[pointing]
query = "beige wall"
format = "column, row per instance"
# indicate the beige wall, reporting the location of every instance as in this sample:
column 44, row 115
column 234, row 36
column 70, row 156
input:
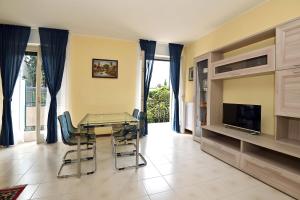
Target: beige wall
column 265, row 16
column 98, row 95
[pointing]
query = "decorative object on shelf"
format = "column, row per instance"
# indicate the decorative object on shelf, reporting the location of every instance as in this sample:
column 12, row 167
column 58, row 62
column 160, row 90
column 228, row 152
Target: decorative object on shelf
column 191, row 74
column 102, row 68
column 204, row 85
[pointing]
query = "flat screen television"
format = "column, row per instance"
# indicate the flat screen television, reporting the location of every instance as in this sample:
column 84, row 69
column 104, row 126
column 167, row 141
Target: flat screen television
column 242, row 116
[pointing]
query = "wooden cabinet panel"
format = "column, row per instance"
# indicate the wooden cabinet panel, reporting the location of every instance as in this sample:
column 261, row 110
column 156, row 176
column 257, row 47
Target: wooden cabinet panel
column 277, row 177
column 255, row 62
column 288, row 92
column 220, row 151
column 288, row 45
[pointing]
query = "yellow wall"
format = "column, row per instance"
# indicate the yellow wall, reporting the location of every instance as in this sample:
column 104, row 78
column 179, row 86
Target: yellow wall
column 98, row 95
column 263, row 17
column 254, row 90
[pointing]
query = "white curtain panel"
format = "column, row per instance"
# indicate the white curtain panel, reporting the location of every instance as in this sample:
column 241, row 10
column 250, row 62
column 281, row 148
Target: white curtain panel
column 139, row 83
column 181, row 97
column 64, row 92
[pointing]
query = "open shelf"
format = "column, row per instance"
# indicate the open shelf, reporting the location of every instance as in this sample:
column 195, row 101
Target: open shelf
column 248, row 41
column 288, row 130
column 260, row 140
column 221, row 146
column 275, row 158
column 272, row 167
column 222, row 139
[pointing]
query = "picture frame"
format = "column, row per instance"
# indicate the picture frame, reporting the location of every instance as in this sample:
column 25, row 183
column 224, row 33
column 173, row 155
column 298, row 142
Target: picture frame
column 104, row 68
column 191, row 74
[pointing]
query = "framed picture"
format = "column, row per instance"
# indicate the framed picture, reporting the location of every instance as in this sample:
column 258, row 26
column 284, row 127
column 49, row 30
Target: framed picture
column 102, row 68
column 191, row 74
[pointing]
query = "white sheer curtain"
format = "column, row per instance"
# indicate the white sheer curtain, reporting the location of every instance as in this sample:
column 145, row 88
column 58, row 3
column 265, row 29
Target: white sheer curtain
column 63, row 94
column 18, row 101
column 182, row 97
column 139, row 82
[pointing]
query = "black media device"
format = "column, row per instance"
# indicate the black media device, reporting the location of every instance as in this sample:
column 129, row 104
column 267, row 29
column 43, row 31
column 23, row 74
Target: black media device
column 243, row 116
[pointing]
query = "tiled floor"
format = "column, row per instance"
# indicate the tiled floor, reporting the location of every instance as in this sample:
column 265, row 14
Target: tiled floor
column 177, row 169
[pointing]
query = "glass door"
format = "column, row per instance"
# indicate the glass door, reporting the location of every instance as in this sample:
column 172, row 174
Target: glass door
column 201, row 96
column 28, row 89
column 42, row 101
column 30, row 96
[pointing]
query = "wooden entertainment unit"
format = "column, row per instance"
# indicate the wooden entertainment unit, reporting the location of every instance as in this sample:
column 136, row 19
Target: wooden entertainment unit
column 273, row 158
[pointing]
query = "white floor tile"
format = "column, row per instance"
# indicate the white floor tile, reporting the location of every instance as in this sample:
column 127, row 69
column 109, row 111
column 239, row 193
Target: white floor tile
column 177, row 169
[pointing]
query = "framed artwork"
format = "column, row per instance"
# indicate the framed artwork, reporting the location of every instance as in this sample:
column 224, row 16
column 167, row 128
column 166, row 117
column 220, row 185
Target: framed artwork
column 102, row 68
column 191, row 74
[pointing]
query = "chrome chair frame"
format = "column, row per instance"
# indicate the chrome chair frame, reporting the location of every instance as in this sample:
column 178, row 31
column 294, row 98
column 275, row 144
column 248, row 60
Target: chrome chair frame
column 73, row 131
column 69, row 139
column 124, row 137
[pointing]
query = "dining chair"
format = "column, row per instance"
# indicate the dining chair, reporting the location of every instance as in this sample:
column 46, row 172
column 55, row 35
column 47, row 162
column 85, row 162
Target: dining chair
column 70, row 139
column 135, row 112
column 70, row 125
column 126, row 137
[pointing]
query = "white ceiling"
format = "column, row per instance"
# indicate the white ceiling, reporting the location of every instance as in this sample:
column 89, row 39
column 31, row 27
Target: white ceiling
column 161, row 20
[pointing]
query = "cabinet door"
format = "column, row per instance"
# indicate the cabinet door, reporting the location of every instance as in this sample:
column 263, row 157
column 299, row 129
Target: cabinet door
column 288, row 45
column 288, row 92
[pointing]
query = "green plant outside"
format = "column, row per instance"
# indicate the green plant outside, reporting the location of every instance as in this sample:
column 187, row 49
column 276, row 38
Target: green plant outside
column 158, row 105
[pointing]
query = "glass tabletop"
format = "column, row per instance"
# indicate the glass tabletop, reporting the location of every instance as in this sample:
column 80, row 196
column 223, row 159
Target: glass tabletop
column 107, row 119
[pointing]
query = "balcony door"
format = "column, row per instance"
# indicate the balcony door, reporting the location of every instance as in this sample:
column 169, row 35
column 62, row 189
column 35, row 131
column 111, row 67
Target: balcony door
column 30, row 99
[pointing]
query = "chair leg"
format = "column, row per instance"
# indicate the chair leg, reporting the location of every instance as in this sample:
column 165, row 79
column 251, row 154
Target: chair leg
column 69, row 161
column 72, row 151
column 127, row 153
column 95, row 156
column 144, row 163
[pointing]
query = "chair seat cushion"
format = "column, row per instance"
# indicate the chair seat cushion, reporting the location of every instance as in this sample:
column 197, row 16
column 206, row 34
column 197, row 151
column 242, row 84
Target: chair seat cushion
column 127, row 132
column 131, row 136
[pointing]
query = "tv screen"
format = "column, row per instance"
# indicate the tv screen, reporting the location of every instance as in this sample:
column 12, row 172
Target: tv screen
column 242, row 116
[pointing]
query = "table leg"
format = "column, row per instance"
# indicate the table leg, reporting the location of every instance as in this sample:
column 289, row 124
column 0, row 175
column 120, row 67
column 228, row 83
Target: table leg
column 137, row 146
column 78, row 157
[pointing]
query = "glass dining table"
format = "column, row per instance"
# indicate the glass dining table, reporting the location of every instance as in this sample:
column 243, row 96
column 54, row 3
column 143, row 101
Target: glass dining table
column 91, row 121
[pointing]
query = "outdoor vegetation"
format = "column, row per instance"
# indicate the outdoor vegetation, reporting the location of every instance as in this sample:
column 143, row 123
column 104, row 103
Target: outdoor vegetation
column 158, row 104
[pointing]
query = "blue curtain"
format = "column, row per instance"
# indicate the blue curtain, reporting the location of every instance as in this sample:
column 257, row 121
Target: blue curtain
column 13, row 42
column 175, row 56
column 53, row 48
column 149, row 48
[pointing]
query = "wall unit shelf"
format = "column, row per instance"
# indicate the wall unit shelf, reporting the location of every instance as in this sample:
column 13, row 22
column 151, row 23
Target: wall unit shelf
column 275, row 158
column 288, row 92
column 288, row 130
column 279, row 170
column 261, row 156
column 200, row 100
column 224, row 140
column 259, row 61
column 288, row 45
column 262, row 140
